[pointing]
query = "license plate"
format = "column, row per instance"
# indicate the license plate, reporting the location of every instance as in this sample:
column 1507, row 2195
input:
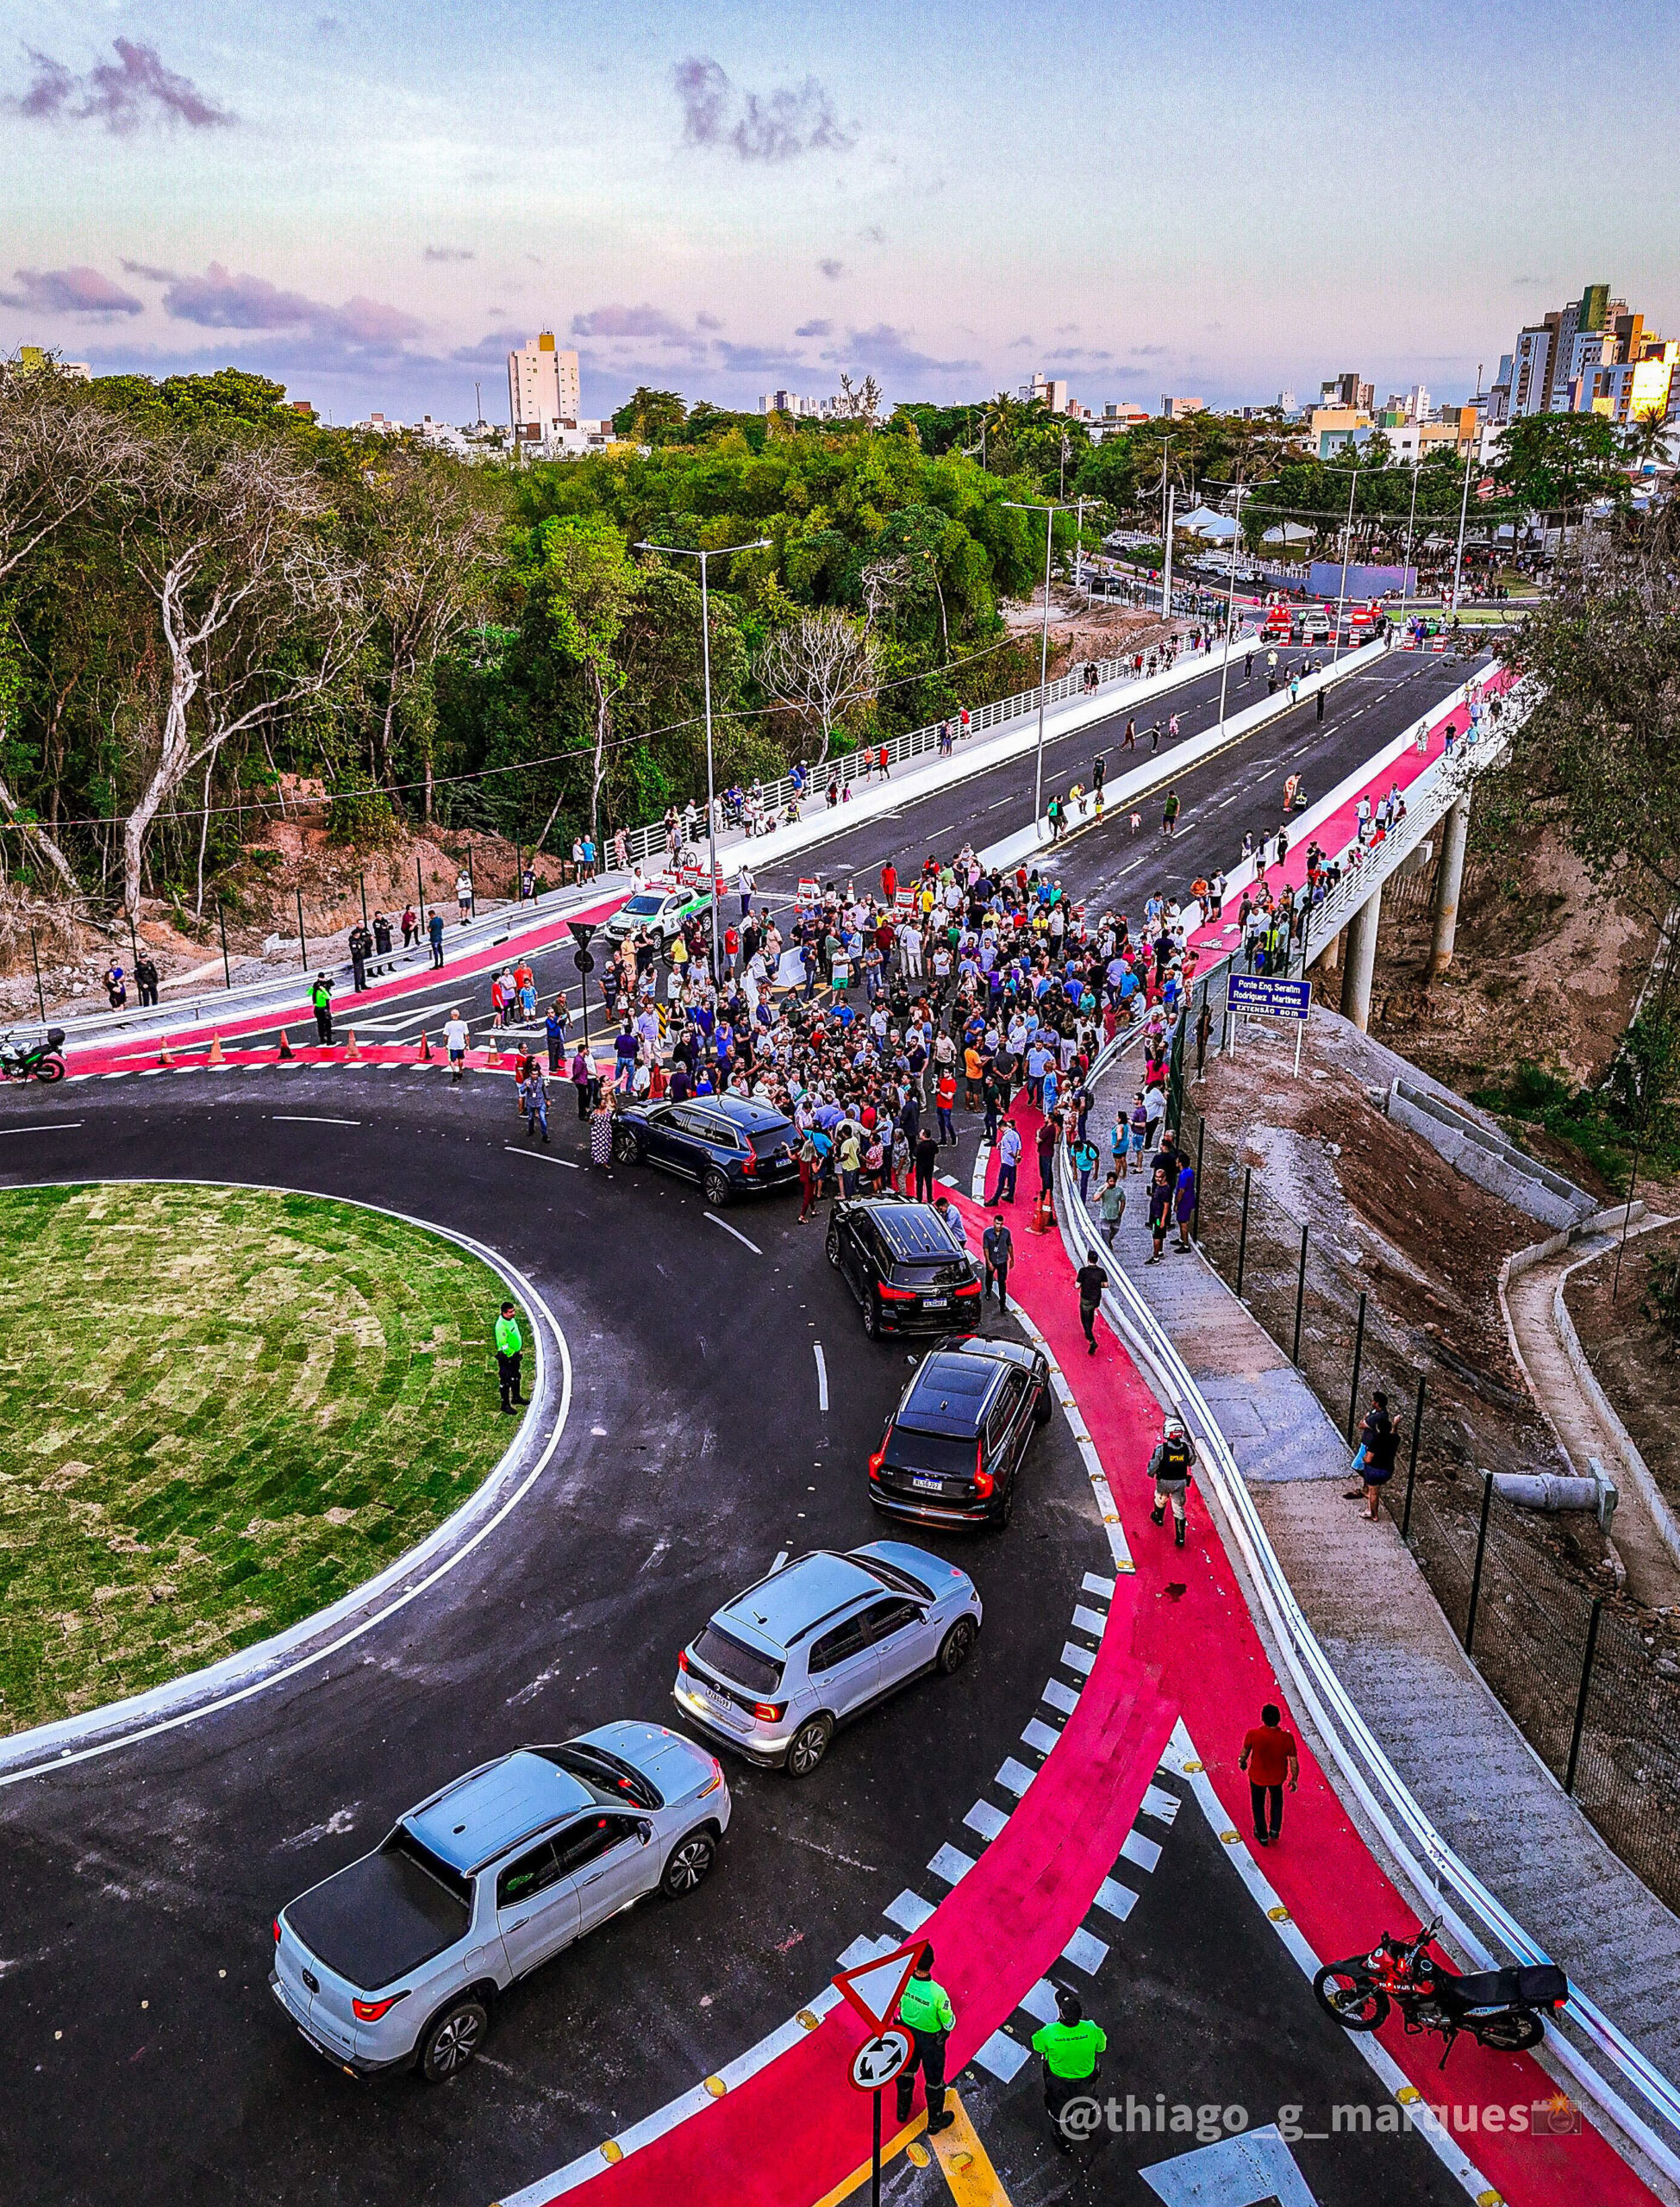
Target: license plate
column 931, row 1485
column 934, row 1301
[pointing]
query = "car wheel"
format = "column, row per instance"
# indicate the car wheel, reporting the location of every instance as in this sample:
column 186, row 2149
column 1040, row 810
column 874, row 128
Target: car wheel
column 1006, row 1505
column 1043, row 1408
column 872, row 1316
column 808, row 1746
column 451, row 2039
column 958, row 1646
column 625, row 1148
column 831, row 1247
column 689, row 1864
column 715, row 1187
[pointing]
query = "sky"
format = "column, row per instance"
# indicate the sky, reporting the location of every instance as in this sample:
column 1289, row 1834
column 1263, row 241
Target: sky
column 370, row 203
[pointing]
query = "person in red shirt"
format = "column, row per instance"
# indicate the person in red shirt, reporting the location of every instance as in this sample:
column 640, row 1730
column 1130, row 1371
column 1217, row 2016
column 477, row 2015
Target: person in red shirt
column 889, row 882
column 1269, row 1755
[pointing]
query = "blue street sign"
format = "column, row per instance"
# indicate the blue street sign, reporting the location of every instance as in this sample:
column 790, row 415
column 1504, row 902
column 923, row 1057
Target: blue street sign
column 1278, row 999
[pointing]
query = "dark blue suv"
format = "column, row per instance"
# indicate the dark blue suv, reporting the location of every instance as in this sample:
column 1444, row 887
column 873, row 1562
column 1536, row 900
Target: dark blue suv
column 730, row 1145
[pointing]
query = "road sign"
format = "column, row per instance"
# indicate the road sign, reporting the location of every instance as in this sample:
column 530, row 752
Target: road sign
column 581, row 932
column 874, row 1988
column 584, row 961
column 1279, row 999
column 878, row 2060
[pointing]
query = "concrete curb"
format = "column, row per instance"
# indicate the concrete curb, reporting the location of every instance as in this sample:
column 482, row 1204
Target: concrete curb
column 1662, row 1516
column 252, row 1670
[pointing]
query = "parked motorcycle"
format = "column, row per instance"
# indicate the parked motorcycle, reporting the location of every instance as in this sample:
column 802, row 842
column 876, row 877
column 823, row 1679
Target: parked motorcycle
column 37, row 1060
column 1503, row 2008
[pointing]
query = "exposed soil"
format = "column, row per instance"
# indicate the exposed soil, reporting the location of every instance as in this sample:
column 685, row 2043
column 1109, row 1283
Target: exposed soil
column 1630, row 1357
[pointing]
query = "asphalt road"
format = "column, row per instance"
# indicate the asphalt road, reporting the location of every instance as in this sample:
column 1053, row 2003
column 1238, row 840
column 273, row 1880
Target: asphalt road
column 146, row 2057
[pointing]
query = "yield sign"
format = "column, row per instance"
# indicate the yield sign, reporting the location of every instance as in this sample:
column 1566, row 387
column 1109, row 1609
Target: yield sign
column 874, row 1989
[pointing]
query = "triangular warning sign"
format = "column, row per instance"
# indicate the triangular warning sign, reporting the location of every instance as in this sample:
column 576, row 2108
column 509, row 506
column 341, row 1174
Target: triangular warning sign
column 874, row 1988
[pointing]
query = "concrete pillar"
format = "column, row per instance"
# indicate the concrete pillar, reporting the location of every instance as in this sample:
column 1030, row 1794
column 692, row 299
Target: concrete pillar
column 1361, row 961
column 1330, row 956
column 1449, row 885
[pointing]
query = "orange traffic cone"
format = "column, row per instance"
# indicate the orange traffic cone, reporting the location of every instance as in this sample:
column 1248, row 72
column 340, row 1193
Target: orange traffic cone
column 216, row 1057
column 164, row 1058
column 425, row 1049
column 285, row 1045
column 1044, row 1213
column 495, row 1057
column 352, row 1056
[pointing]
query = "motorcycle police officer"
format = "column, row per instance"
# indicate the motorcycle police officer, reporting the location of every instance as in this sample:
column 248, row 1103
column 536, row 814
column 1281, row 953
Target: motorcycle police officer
column 925, row 2012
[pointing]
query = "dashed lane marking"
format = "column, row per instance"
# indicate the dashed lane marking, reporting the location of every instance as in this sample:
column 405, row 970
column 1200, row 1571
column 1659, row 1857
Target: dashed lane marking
column 1088, row 1620
column 1116, row 1899
column 1142, row 1853
column 984, row 1819
column 1104, row 1588
column 1084, row 1951
column 713, row 1219
column 950, row 1864
column 1040, row 1735
column 1013, row 1777
column 1060, row 1695
column 515, row 1149
column 309, row 1119
column 50, row 1127
column 909, row 1911
column 1003, row 2056
column 1079, row 1659
column 822, row 1376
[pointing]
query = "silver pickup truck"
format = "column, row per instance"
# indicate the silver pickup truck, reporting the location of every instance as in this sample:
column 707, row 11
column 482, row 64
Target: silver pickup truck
column 396, row 1958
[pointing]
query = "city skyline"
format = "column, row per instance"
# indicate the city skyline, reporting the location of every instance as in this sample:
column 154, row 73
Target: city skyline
column 374, row 209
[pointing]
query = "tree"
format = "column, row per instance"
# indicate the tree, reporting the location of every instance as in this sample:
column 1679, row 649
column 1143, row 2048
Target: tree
column 590, row 586
column 650, row 417
column 820, row 667
column 1560, row 462
column 861, row 403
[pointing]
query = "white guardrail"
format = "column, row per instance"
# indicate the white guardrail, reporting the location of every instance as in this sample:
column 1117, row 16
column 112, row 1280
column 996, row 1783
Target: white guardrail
column 1478, row 1924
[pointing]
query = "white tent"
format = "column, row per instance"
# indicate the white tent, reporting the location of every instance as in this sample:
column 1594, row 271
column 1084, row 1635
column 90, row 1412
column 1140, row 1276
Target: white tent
column 1289, row 532
column 1204, row 521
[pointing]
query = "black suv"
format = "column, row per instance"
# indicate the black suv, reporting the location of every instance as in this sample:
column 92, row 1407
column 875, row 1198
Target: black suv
column 730, row 1145
column 903, row 1264
column 954, row 1448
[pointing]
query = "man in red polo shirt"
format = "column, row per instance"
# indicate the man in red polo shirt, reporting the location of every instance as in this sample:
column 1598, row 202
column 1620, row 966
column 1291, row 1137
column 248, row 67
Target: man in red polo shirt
column 1269, row 1755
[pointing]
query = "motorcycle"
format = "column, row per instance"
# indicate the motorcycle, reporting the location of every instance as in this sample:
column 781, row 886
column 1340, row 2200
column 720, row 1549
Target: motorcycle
column 1503, row 2008
column 32, row 1061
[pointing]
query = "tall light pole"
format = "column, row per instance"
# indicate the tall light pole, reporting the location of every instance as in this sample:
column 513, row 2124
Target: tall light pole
column 718, row 552
column 1079, row 505
column 1049, row 513
column 1230, row 606
column 1346, row 548
column 1411, row 519
column 1463, row 502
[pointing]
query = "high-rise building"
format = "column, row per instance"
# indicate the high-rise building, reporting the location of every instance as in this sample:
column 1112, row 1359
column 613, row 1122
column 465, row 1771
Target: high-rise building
column 1180, row 409
column 1590, row 355
column 1347, row 390
column 1051, row 390
column 544, row 388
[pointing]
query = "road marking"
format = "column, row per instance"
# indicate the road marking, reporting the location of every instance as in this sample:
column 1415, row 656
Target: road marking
column 909, row 1911
column 986, row 1820
column 1085, row 1952
column 977, row 1186
column 712, row 1216
column 542, row 1157
column 1040, row 2001
column 821, row 1374
column 1040, row 1735
column 1079, row 1659
column 309, row 1119
column 1116, row 1899
column 126, row 1074
column 51, row 1127
column 967, row 2167
column 1088, row 1620
column 1002, row 2055
column 865, row 1950
column 781, row 1558
column 1013, row 1777
column 1060, row 1695
column 951, row 1864
column 1160, row 1804
column 1103, row 1588
column 1142, row 1853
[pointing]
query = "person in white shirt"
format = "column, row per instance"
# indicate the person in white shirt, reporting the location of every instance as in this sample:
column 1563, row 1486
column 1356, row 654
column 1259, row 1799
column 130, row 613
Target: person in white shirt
column 455, row 1038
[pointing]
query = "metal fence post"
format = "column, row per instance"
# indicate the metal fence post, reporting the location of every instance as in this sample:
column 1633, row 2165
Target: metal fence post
column 227, row 965
column 1581, row 1698
column 303, row 940
column 1195, row 1209
column 1411, row 1468
column 1242, row 1236
column 1358, row 1359
column 1481, row 1550
column 1300, row 1298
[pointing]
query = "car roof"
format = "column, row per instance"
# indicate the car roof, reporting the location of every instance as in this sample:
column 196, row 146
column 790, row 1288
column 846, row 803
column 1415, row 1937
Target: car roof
column 781, row 1609
column 950, row 1393
column 912, row 1230
column 483, row 1814
column 743, row 1111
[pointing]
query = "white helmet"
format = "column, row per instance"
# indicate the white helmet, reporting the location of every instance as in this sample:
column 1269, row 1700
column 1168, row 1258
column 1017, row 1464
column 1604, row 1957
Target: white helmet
column 1174, row 1429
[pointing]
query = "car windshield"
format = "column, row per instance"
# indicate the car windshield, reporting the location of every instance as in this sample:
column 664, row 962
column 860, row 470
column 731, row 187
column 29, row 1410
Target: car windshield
column 924, row 1274
column 767, row 1142
column 908, row 1451
column 743, row 1666
column 642, row 907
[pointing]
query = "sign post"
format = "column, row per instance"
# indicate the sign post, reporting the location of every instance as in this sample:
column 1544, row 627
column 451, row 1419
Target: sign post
column 583, row 958
column 1273, row 998
column 875, row 1990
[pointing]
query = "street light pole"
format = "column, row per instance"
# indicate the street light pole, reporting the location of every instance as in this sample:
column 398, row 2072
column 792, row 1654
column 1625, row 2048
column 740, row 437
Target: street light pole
column 1230, row 608
column 1463, row 502
column 1346, row 549
column 1049, row 513
column 720, row 552
column 1411, row 520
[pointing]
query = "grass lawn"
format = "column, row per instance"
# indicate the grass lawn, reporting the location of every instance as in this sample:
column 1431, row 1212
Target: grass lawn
column 220, row 1409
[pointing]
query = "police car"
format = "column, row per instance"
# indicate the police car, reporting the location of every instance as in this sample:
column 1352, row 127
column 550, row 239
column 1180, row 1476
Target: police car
column 661, row 910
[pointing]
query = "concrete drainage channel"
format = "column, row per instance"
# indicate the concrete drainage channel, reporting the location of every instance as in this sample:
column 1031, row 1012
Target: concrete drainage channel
column 1639, row 2100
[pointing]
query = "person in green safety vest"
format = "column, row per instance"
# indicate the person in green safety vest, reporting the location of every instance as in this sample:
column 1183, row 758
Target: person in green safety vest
column 509, row 1347
column 1070, row 2048
column 925, row 2012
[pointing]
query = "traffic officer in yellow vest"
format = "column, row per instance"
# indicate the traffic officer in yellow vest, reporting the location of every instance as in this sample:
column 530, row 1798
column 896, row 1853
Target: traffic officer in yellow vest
column 925, row 2012
column 509, row 1347
column 1068, row 2048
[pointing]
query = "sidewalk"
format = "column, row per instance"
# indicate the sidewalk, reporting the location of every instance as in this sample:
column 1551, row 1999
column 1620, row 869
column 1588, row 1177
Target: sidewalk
column 1441, row 1726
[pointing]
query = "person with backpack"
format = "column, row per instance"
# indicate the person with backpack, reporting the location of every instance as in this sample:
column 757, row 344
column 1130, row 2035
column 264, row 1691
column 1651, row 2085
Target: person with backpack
column 1170, row 1467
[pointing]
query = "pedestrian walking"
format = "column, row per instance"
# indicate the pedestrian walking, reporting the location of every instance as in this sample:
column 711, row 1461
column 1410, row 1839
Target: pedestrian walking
column 1069, row 2049
column 927, row 1155
column 1091, row 1280
column 321, row 1001
column 455, row 1039
column 534, row 1100
column 1170, row 1467
column 1184, row 1203
column 601, row 1134
column 509, row 1347
column 925, row 2012
column 435, row 935
column 1111, row 1206
column 1160, row 1209
column 1008, row 1162
column 1084, row 1163
column 1269, row 1756
column 997, row 1248
column 1373, row 1462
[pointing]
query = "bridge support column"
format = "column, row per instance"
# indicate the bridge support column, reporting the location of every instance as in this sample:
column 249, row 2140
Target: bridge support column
column 1449, row 885
column 1361, row 961
column 1330, row 956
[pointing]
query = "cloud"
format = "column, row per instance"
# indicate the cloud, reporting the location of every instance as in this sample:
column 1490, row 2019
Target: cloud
column 1148, row 352
column 831, row 269
column 327, row 26
column 70, row 290
column 629, row 321
column 1070, row 355
column 1020, row 344
column 1529, row 282
column 449, row 253
column 888, row 351
column 218, row 300
column 776, row 126
column 814, row 329
column 873, row 235
column 151, row 275
column 123, row 94
column 760, row 360
column 707, row 321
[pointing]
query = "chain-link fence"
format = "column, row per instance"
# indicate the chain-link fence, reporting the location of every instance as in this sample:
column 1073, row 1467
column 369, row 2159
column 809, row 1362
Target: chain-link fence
column 1596, row 1694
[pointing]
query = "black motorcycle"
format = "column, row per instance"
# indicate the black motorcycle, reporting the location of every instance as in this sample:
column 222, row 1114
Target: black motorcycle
column 32, row 1061
column 1503, row 2008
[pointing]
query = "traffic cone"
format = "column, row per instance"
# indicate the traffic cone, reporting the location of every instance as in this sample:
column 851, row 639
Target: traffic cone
column 164, row 1058
column 495, row 1057
column 1044, row 1215
column 352, row 1056
column 425, row 1049
column 285, row 1046
column 216, row 1057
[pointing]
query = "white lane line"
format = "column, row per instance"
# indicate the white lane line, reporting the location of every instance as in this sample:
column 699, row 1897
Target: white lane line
column 1060, row 1695
column 1003, row 2056
column 309, row 1119
column 126, row 1074
column 986, row 1820
column 781, row 1558
column 1086, row 1620
column 1015, row 1777
column 1079, row 1659
column 1116, row 1899
column 1040, row 1736
column 1160, row 1804
column 1040, row 2001
column 821, row 1374
column 515, row 1149
column 1102, row 1588
column 1086, row 1952
column 951, row 1864
column 50, row 1127
column 713, row 1219
column 1142, row 1853
column 909, row 1911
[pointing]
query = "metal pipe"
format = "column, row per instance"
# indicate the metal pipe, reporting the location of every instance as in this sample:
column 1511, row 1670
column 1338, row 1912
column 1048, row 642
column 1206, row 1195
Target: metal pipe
column 1411, row 1468
column 1195, row 1209
column 1300, row 1298
column 41, row 993
column 1242, row 1234
column 1580, row 1698
column 222, row 921
column 303, row 940
column 1481, row 1550
column 1358, row 1359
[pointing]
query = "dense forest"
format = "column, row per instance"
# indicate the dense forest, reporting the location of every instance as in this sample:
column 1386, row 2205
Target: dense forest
column 204, row 591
